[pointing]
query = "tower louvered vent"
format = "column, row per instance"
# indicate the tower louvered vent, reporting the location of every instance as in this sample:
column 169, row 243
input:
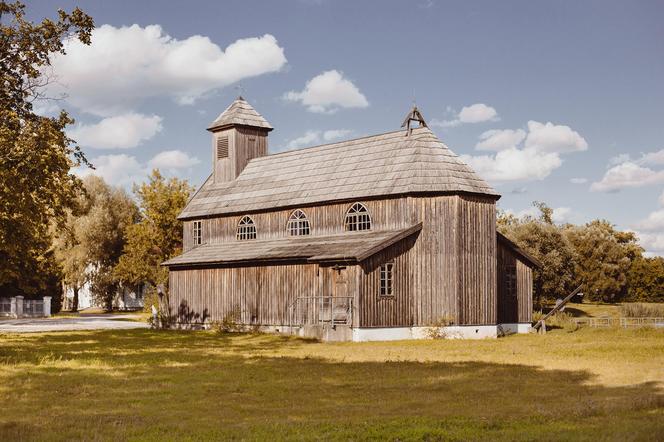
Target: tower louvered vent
column 222, row 147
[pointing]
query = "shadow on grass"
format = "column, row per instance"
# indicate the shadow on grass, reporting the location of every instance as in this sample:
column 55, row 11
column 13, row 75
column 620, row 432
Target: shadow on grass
column 183, row 385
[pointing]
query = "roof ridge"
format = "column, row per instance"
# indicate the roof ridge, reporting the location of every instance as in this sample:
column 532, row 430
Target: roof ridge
column 292, row 151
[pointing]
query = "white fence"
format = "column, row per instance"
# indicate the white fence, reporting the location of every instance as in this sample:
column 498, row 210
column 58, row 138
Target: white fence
column 620, row 322
column 18, row 307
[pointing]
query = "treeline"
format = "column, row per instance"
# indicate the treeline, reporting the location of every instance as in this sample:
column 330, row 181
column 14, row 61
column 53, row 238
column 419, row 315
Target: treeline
column 608, row 263
column 112, row 242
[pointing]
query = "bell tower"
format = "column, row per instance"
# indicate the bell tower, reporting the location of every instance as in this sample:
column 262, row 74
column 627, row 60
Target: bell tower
column 238, row 135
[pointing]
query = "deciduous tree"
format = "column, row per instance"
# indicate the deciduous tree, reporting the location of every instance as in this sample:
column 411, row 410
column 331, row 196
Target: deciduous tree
column 36, row 155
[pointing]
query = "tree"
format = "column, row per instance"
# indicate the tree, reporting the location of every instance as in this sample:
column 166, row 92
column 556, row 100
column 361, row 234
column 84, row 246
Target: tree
column 158, row 235
column 36, row 155
column 602, row 258
column 645, row 280
column 91, row 242
column 542, row 239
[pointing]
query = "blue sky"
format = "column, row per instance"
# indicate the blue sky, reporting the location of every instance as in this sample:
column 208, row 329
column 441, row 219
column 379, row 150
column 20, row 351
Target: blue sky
column 564, row 99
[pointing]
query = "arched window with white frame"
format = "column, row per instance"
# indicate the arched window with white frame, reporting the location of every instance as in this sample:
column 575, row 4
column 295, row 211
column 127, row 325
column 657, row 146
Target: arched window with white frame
column 357, row 218
column 246, row 229
column 298, row 224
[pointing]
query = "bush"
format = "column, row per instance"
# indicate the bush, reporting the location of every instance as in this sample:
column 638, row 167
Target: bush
column 231, row 322
column 641, row 310
column 437, row 329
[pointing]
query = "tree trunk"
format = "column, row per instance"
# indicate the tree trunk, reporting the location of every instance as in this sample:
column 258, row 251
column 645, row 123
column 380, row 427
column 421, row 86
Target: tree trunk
column 74, row 304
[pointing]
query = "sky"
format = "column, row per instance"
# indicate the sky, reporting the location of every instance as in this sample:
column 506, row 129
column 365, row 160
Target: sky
column 561, row 102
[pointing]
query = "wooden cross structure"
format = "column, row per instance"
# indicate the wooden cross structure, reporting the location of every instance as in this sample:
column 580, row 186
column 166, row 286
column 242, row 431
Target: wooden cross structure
column 413, row 115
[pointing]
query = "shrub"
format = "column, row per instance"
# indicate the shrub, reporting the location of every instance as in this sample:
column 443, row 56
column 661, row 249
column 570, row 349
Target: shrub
column 231, row 322
column 437, row 329
column 641, row 310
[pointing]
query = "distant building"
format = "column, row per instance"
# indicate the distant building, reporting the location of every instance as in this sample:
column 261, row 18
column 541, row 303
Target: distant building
column 374, row 238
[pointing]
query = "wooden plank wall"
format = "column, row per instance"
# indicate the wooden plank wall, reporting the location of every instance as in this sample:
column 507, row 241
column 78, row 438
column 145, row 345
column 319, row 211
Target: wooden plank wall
column 240, row 150
column 476, row 236
column 449, row 271
column 524, row 278
column 508, row 305
column 392, row 311
column 387, row 214
column 262, row 293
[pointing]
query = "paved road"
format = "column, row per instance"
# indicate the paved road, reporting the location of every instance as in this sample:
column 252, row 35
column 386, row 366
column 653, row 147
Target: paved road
column 87, row 322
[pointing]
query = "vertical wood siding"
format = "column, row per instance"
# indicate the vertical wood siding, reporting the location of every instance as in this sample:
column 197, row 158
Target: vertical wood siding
column 448, row 270
column 476, row 244
column 514, row 309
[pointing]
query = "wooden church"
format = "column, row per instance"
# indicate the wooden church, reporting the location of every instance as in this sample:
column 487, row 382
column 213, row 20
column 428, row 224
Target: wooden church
column 375, row 238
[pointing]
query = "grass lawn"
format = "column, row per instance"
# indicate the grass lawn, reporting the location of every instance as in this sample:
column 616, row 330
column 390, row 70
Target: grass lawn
column 148, row 385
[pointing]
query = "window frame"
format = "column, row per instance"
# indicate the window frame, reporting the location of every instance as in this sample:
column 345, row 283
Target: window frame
column 386, row 280
column 298, row 226
column 197, row 227
column 355, row 218
column 246, row 231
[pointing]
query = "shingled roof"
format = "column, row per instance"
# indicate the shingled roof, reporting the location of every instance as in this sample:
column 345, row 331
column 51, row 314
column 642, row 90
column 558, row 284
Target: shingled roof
column 240, row 113
column 374, row 166
column 347, row 247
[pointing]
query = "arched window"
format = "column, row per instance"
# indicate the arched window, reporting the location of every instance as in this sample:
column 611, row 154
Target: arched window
column 246, row 229
column 298, row 224
column 357, row 218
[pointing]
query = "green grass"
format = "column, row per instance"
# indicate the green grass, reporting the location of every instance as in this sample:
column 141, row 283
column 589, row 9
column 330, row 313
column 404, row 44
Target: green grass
column 148, row 385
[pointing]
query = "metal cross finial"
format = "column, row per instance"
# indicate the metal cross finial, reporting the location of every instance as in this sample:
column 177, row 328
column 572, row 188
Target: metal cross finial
column 240, row 90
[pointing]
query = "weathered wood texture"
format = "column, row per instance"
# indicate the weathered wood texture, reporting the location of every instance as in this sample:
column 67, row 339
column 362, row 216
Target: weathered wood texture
column 477, row 261
column 447, row 270
column 262, row 293
column 513, row 305
column 243, row 145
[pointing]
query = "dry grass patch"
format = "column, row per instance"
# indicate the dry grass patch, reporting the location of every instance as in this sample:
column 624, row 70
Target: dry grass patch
column 147, row 385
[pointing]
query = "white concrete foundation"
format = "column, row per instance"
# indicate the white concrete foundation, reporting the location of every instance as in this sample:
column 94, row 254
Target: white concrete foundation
column 522, row 327
column 399, row 333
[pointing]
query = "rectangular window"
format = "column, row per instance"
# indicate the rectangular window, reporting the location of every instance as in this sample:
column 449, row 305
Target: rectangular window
column 222, row 147
column 386, row 278
column 198, row 233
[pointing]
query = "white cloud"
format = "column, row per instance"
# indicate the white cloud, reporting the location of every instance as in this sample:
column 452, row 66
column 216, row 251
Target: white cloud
column 625, row 175
column 335, row 134
column 119, row 170
column 560, row 214
column 578, row 180
column 313, row 137
column 653, row 223
column 125, row 170
column 514, row 165
column 475, row 113
column 497, row 140
column 172, row 160
column 549, row 137
column 327, row 92
column 661, row 199
column 124, row 66
column 653, row 243
column 521, row 155
column 653, row 158
column 122, row 131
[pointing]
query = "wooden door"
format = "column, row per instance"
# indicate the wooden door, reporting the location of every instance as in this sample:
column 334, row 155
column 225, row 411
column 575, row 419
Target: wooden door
column 335, row 299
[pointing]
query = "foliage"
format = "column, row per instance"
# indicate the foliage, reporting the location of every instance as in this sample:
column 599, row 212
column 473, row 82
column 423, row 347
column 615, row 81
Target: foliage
column 436, row 330
column 230, row 323
column 36, row 155
column 608, row 263
column 544, row 241
column 646, row 279
column 641, row 310
column 158, row 235
column 602, row 258
column 90, row 242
